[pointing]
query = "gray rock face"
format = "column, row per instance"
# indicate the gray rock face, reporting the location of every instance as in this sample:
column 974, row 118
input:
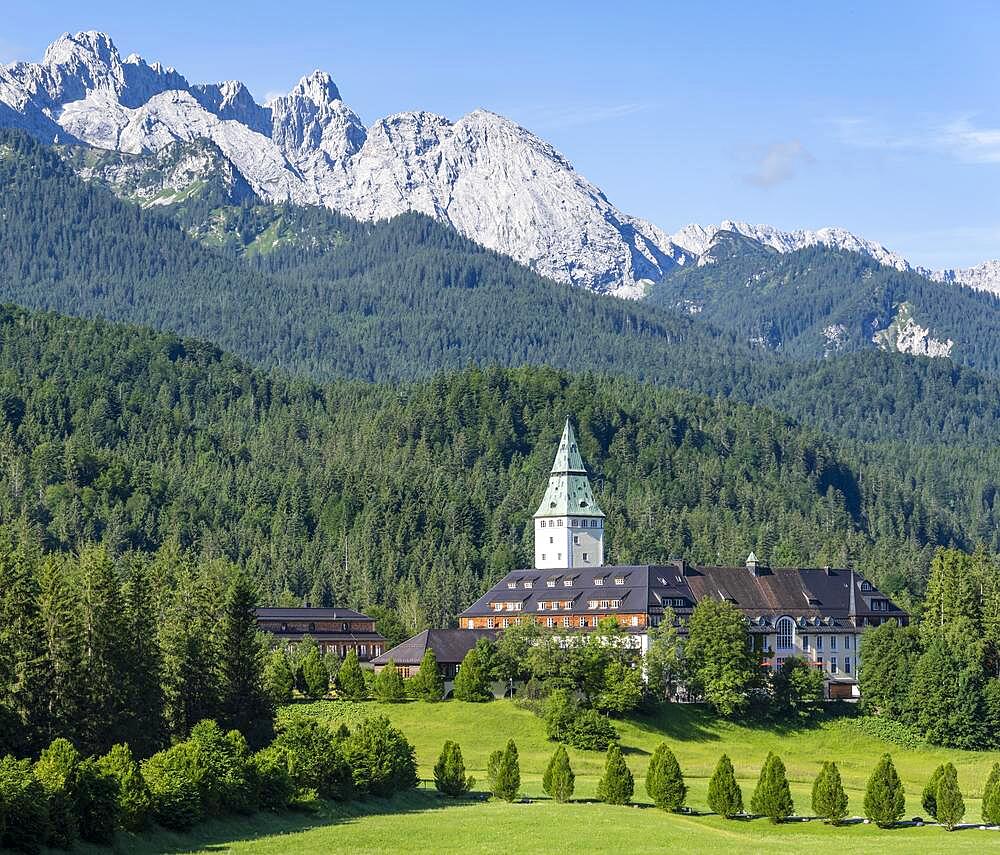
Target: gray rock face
column 491, row 179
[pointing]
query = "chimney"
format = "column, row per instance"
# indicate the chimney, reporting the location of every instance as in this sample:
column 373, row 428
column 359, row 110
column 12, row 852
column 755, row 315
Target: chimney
column 753, row 565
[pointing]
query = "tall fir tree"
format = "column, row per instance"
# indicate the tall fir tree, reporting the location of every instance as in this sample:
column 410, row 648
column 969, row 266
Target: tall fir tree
column 664, row 781
column 928, row 799
column 950, row 804
column 616, row 785
column 428, row 683
column 829, row 801
column 350, row 679
column 558, row 781
column 772, row 797
column 388, row 686
column 472, row 682
column 449, row 771
column 991, row 797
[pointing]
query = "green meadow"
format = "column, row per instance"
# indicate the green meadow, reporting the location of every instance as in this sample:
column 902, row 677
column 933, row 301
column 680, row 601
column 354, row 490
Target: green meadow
column 421, row 821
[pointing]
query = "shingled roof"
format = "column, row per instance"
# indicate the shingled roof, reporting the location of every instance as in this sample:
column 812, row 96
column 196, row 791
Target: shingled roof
column 450, row 646
column 309, row 613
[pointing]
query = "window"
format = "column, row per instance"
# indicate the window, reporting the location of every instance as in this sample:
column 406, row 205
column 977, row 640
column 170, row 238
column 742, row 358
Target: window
column 364, row 650
column 568, row 583
column 847, row 642
column 880, row 605
column 565, row 621
column 833, row 642
column 567, row 605
column 635, row 620
column 847, row 664
column 559, row 523
column 604, row 604
column 550, row 622
column 833, row 664
column 805, row 642
column 312, row 627
column 498, row 607
column 576, row 540
column 284, row 627
column 506, row 622
column 543, row 556
column 489, row 623
column 819, row 661
column 541, row 605
column 551, row 583
column 785, row 630
column 512, row 584
column 866, row 586
column 616, row 604
column 779, row 662
column 619, row 580
column 583, row 621
column 592, row 604
column 559, row 557
column 542, row 523
column 529, row 584
column 552, row 540
column 598, row 581
column 819, row 645
column 586, row 557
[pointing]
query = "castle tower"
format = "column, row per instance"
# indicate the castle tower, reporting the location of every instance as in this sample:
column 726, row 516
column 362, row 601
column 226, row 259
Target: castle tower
column 569, row 524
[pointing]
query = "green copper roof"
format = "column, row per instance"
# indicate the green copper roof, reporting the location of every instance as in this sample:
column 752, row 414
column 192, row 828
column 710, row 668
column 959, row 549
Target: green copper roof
column 568, row 493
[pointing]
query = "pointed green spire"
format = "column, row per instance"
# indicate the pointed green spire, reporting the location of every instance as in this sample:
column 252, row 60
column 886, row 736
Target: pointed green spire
column 569, row 492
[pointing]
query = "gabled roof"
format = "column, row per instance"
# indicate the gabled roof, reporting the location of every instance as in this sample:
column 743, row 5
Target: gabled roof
column 304, row 613
column 450, row 646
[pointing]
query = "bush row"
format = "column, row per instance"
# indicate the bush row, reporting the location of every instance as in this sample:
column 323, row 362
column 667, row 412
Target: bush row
column 64, row 796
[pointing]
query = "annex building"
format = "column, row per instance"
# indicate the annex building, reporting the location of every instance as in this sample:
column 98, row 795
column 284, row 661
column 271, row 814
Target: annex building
column 335, row 631
column 815, row 613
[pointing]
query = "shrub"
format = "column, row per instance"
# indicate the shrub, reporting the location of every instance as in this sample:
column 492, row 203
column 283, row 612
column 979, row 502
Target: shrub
column 724, row 794
column 504, row 773
column 428, row 683
column 96, row 802
column 664, row 781
column 829, row 801
column 566, row 722
column 885, row 799
column 472, row 683
column 315, row 676
column 381, row 759
column 991, row 797
column 176, row 797
column 24, row 822
column 56, row 771
column 315, row 757
column 388, row 687
column 950, row 804
column 279, row 678
column 772, row 798
column 928, row 798
column 617, row 784
column 351, row 679
column 132, row 795
column 449, row 771
column 559, row 780
column 622, row 690
column 888, row 730
column 273, row 784
column 223, row 774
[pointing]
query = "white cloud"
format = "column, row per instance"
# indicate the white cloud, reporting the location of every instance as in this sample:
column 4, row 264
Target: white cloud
column 779, row 163
column 584, row 114
column 959, row 138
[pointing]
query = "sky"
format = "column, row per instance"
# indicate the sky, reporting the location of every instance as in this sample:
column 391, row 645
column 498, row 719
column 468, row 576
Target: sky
column 879, row 117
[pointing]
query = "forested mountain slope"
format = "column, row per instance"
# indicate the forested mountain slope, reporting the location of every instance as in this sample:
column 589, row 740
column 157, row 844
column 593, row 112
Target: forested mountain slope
column 415, row 496
column 819, row 300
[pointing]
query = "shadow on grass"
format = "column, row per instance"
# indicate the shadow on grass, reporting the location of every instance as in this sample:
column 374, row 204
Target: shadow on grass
column 218, row 835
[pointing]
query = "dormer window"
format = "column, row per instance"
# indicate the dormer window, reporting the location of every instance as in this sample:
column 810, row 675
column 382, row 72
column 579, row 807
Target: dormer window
column 551, row 583
column 512, row 585
column 598, row 581
column 497, row 607
column 528, row 584
column 567, row 583
column 619, row 580
column 616, row 604
column 866, row 586
column 592, row 604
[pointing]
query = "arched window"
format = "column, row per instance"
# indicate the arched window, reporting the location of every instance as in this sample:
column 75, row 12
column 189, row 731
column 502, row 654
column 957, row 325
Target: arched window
column 785, row 628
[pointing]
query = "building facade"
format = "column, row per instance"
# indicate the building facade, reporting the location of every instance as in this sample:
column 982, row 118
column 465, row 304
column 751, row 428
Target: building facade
column 450, row 647
column 335, row 631
column 817, row 614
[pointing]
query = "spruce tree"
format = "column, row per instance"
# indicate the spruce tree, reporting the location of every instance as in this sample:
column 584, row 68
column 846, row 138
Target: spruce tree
column 928, row 798
column 829, row 801
column 772, row 797
column 388, row 686
column 664, row 780
column 428, row 683
column 950, row 804
column 245, row 703
column 991, row 797
column 449, row 771
column 472, row 683
column 885, row 799
column 351, row 679
column 724, row 794
column 315, row 677
column 559, row 780
column 504, row 773
column 617, row 784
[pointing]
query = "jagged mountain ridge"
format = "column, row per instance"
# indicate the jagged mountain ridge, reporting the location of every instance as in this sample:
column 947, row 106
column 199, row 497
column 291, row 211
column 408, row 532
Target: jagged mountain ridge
column 491, row 179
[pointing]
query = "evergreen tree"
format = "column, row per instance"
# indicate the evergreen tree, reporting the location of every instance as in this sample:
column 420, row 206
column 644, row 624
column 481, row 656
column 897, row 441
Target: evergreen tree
column 929, row 796
column 772, row 797
column 388, row 686
column 381, row 758
column 950, row 805
column 132, row 794
column 885, row 799
column 472, row 682
column 279, row 679
column 724, row 794
column 664, row 781
column 315, row 677
column 57, row 771
column 449, row 771
column 351, row 679
column 504, row 773
column 25, row 826
column 428, row 683
column 616, row 785
column 245, row 703
column 829, row 801
column 991, row 797
column 559, row 781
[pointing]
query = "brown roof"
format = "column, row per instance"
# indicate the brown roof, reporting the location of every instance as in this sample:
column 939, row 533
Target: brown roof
column 450, row 646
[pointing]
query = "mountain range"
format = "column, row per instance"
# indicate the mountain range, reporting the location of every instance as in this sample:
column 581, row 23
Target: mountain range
column 155, row 137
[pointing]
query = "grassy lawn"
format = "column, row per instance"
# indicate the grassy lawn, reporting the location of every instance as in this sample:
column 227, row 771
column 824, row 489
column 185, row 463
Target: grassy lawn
column 423, row 822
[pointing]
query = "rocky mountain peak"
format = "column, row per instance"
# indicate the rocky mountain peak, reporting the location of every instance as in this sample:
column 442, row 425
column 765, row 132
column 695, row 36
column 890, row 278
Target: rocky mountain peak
column 318, row 87
column 87, row 47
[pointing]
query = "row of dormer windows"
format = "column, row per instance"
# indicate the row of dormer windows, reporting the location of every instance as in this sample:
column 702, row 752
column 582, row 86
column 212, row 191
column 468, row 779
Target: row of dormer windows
column 553, row 605
column 574, row 523
column 604, row 604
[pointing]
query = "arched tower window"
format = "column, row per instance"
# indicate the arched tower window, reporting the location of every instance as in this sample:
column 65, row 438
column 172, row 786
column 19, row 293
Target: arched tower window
column 785, row 628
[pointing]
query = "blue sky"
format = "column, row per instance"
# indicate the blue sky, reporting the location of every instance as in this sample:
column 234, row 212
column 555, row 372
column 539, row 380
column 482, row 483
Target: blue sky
column 883, row 117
